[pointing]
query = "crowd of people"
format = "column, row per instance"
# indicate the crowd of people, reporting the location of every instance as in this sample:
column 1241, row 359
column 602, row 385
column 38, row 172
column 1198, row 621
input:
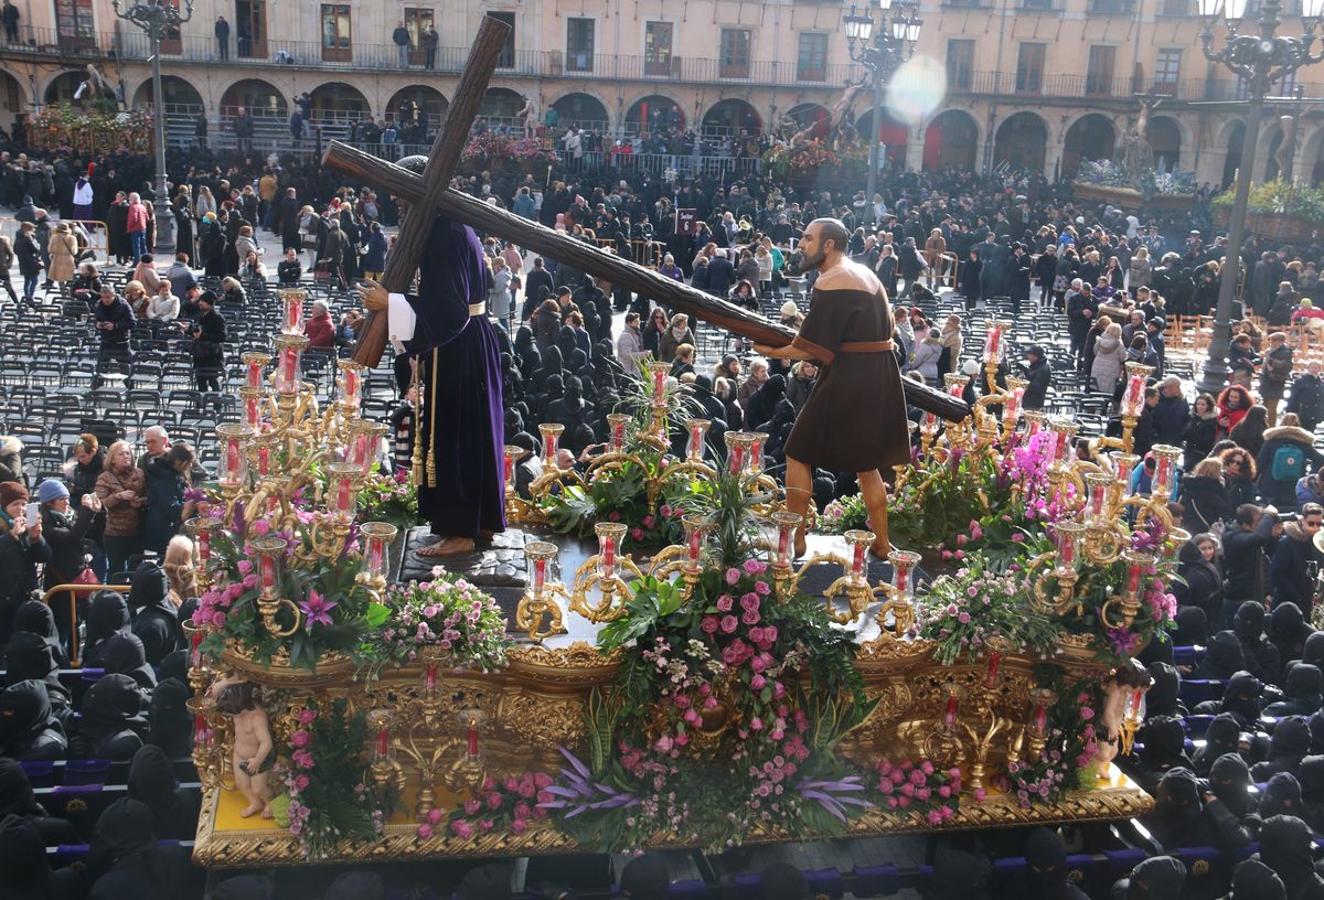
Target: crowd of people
column 1251, row 488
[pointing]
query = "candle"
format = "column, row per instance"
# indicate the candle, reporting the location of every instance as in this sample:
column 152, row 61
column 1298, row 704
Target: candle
column 539, row 575
column 267, row 568
column 783, row 545
column 551, row 437
column 1011, row 410
column 930, row 423
column 204, row 545
column 787, row 522
column 376, row 551
column 1124, row 464
column 472, row 736
column 195, row 655
column 232, row 453
column 383, row 743
column 956, row 385
column 993, row 344
column 351, row 386
column 254, row 380
column 264, row 460
column 430, row 678
column 253, row 411
column 698, row 427
column 609, row 536
column 618, row 421
column 1134, row 572
column 659, row 383
column 1097, row 484
column 949, row 714
column 293, row 312
column 857, row 560
column 1066, row 547
column 994, row 664
column 1137, row 696
column 508, row 469
column 757, row 440
column 200, row 729
column 1135, row 395
column 695, row 546
column 1040, row 724
column 1035, row 420
column 736, row 458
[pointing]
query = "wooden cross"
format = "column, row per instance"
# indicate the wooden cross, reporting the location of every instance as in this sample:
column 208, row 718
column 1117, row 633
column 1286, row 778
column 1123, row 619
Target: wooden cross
column 403, row 260
column 428, row 194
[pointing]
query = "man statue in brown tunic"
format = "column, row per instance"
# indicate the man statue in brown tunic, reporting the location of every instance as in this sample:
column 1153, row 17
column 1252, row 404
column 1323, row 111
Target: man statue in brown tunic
column 855, row 419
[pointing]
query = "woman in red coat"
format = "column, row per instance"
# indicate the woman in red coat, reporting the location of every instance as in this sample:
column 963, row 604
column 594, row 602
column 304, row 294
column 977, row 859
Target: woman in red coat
column 319, row 328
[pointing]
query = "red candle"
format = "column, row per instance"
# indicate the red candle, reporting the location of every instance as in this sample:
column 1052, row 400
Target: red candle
column 618, row 436
column 254, row 381
column 957, row 389
column 289, row 370
column 539, row 575
column 268, row 569
column 1011, row 411
column 994, row 664
column 1034, row 426
column 695, row 450
column 756, row 454
column 383, row 742
column 1136, row 696
column 736, row 457
column 608, row 556
column 1040, row 719
column 473, row 738
column 199, row 728
column 351, row 386
column 696, row 545
column 783, row 543
column 550, row 440
column 901, row 577
column 1097, row 493
column 376, row 550
column 232, row 459
column 507, row 469
column 659, row 384
column 430, row 678
column 857, row 559
column 930, row 422
column 263, row 460
column 1066, row 548
column 293, row 312
column 204, row 544
column 1135, row 392
column 253, row 412
column 195, row 656
column 1133, row 573
column 949, row 714
column 343, row 492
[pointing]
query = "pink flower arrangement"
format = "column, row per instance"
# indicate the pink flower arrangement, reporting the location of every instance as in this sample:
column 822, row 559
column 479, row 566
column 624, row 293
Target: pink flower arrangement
column 919, row 787
column 510, row 803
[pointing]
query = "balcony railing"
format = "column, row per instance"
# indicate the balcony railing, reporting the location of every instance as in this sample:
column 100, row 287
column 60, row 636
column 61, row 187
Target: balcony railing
column 134, row 46
column 1121, row 87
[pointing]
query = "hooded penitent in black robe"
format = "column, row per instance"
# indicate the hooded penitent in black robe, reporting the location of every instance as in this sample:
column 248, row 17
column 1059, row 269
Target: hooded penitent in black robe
column 28, row 727
column 152, row 780
column 155, row 620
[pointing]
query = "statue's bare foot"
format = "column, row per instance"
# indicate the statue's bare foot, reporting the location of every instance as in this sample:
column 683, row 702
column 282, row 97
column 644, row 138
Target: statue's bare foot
column 251, row 809
column 267, row 813
column 452, row 546
column 800, row 545
column 880, row 548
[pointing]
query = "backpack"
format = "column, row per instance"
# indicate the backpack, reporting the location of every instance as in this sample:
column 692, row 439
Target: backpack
column 1289, row 463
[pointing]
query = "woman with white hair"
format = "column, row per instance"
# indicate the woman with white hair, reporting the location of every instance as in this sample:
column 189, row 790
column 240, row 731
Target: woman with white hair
column 319, row 328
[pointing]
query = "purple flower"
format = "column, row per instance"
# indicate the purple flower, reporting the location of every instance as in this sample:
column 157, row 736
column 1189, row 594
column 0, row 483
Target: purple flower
column 317, row 610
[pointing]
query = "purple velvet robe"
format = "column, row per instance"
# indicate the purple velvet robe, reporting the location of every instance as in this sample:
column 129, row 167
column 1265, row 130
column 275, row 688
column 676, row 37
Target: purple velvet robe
column 466, row 440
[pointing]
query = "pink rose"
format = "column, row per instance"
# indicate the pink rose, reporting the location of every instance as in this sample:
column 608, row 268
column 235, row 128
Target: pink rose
column 725, row 602
column 757, row 682
column 245, row 567
column 301, row 782
column 729, row 624
column 756, row 724
column 664, row 743
column 709, row 625
column 762, row 588
column 306, row 716
column 462, row 829
column 472, row 806
column 493, row 800
column 732, row 576
column 434, row 816
column 637, row 533
column 424, row 831
column 519, row 826
column 750, row 617
column 300, row 739
column 486, row 825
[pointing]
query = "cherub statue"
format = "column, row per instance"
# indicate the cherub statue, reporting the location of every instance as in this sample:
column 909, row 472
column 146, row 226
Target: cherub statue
column 1108, row 730
column 254, row 750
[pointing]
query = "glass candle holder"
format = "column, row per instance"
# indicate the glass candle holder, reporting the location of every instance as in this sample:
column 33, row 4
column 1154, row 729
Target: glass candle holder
column 1165, row 468
column 551, row 439
column 252, row 407
column 539, row 554
column 291, row 321
column 696, row 527
column 1043, row 700
column 787, row 523
column 470, row 720
column 1135, row 705
column 254, row 363
column 951, row 711
column 510, row 457
column 1137, row 564
column 1064, row 431
column 955, row 383
column 379, row 724
column 1034, row 421
column 609, row 535
column 1011, row 409
column 1067, row 536
column 201, row 528
column 1173, row 541
column 342, row 499
column 377, row 536
column 232, row 469
column 859, row 540
column 929, row 424
column 270, row 551
column 903, row 573
column 737, row 447
column 351, row 381
column 658, row 372
column 994, row 343
column 757, row 441
column 289, row 359
column 1123, row 465
column 1096, row 490
column 1133, row 396
column 364, row 445
column 698, row 433
column 617, row 423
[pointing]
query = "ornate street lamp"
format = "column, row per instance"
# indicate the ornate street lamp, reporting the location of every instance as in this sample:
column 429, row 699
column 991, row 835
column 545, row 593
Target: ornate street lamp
column 1259, row 60
column 156, row 17
column 882, row 50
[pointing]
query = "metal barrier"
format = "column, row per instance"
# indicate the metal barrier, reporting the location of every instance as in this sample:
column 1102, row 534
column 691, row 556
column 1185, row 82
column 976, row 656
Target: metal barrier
column 73, row 590
column 97, row 232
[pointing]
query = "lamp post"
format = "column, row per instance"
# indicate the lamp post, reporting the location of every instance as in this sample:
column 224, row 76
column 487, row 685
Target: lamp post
column 882, row 50
column 1260, row 60
column 156, row 17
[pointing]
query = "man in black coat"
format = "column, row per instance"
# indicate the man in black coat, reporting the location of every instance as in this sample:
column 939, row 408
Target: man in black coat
column 1290, row 571
column 1307, row 399
column 1171, row 414
column 222, row 32
column 114, row 322
column 721, row 275
column 1081, row 310
column 208, row 344
column 1244, row 547
column 1040, row 377
column 538, row 286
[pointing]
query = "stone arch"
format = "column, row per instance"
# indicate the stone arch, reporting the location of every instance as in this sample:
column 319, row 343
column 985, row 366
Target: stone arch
column 730, row 116
column 180, row 95
column 951, row 140
column 61, row 88
column 1021, row 141
column 432, row 104
column 892, row 133
column 14, row 99
column 1231, row 138
column 1312, row 157
column 1092, row 136
column 654, row 112
column 1165, row 139
column 337, row 101
column 501, row 103
column 582, row 109
column 261, row 98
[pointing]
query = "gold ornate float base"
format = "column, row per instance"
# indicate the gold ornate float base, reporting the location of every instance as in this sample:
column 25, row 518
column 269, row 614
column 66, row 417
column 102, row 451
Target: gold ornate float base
column 225, row 841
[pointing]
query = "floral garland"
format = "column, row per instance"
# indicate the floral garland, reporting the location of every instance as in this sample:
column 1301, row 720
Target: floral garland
column 327, row 798
column 1070, row 748
column 448, row 613
column 921, row 788
column 513, row 804
column 963, row 612
column 391, row 499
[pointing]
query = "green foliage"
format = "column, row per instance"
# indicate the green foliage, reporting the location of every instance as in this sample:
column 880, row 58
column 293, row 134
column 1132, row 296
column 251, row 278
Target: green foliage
column 1278, row 198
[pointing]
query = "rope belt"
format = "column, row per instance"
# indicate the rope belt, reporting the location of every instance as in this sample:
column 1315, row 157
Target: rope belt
column 868, row 347
column 477, row 309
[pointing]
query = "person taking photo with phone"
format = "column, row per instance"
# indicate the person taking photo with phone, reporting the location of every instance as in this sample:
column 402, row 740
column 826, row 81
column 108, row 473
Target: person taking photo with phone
column 22, row 547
